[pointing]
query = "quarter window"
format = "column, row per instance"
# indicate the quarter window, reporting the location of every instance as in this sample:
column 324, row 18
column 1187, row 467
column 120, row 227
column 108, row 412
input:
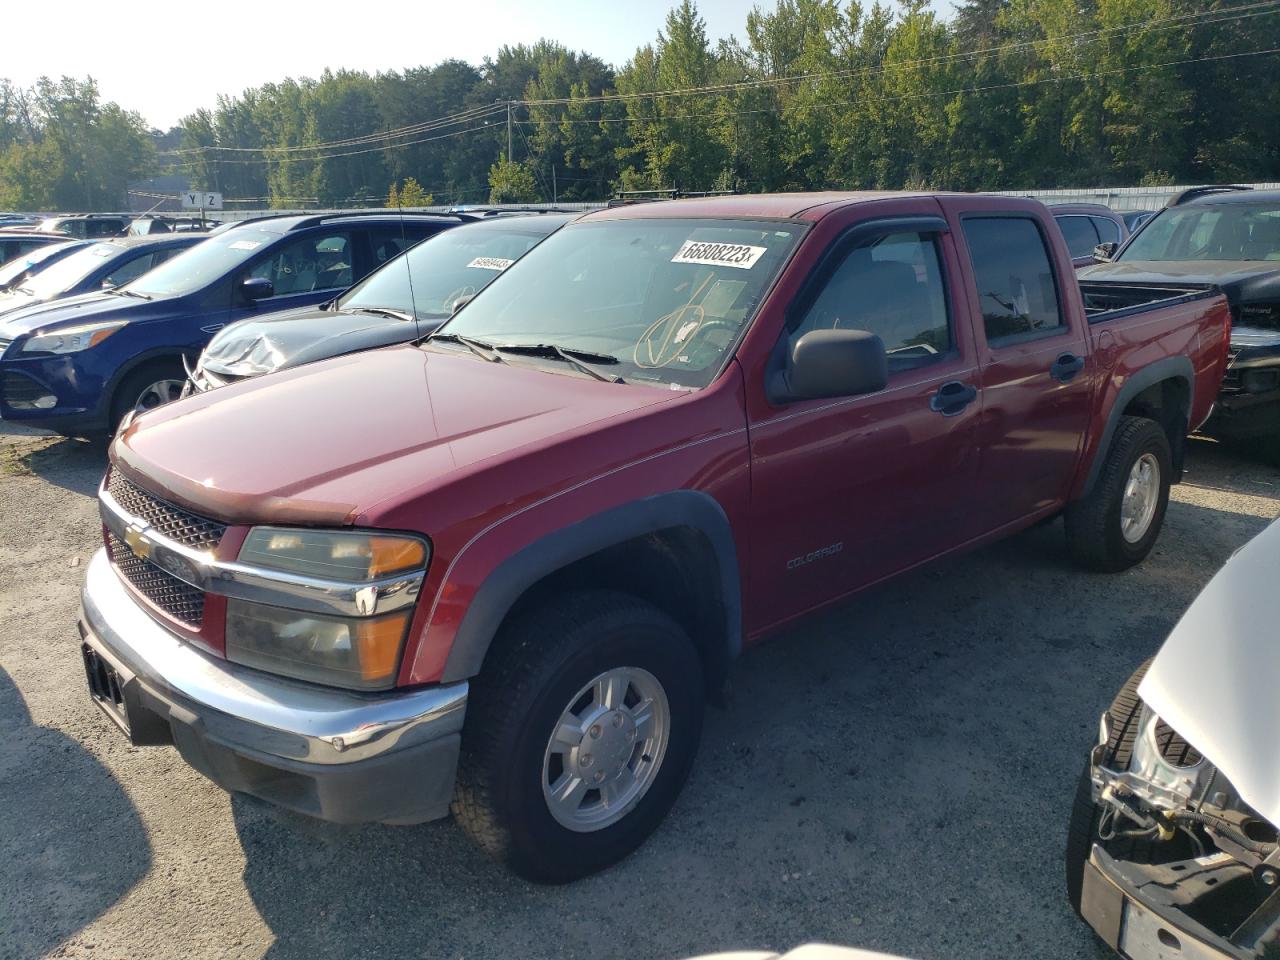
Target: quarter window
column 1016, row 285
column 1108, row 230
column 892, row 287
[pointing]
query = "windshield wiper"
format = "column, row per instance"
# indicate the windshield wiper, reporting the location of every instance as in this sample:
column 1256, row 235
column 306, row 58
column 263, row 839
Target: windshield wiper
column 383, row 312
column 584, row 360
column 486, row 351
column 121, row 292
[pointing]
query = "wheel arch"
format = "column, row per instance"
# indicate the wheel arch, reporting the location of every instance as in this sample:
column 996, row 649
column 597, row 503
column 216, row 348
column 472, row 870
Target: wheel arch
column 1161, row 391
column 675, row 549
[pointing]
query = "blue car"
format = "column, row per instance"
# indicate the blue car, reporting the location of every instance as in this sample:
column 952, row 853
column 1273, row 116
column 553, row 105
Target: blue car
column 93, row 267
column 17, row 270
column 77, row 366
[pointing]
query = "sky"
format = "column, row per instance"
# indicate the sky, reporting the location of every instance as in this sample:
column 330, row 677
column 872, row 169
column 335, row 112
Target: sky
column 236, row 44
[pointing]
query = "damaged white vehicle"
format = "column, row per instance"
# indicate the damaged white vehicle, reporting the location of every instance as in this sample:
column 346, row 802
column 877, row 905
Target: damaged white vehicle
column 1172, row 849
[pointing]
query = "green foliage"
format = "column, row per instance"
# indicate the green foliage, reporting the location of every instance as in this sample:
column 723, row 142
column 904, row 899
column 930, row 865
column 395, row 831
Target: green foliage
column 61, row 148
column 511, row 182
column 410, row 195
column 814, row 94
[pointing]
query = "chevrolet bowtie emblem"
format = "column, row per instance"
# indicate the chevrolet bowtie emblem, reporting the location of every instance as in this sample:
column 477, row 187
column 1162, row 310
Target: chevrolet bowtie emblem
column 133, row 537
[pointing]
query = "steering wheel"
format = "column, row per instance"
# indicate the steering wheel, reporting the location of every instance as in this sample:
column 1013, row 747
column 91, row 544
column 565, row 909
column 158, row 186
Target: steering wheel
column 460, row 294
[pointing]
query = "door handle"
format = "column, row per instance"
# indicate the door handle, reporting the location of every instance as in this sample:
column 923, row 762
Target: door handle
column 952, row 397
column 1066, row 367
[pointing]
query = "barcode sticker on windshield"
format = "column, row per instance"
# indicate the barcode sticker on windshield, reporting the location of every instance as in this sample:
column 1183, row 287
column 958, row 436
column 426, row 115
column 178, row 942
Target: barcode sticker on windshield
column 737, row 255
column 490, row 263
column 246, row 245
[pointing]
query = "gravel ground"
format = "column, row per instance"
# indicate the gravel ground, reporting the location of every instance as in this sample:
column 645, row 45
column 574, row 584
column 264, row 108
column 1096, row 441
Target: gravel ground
column 893, row 775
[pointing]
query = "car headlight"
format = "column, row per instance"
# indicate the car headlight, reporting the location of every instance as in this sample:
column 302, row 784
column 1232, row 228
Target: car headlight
column 73, row 339
column 333, row 555
column 359, row 652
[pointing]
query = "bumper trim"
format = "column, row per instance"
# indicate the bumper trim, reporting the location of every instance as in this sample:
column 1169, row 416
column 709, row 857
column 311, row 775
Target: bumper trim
column 249, row 709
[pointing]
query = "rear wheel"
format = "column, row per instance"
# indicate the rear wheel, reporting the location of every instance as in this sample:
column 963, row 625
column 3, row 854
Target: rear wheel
column 152, row 385
column 581, row 730
column 1116, row 524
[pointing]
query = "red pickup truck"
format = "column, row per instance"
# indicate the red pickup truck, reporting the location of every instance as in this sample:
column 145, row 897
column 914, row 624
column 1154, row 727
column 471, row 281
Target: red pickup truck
column 502, row 570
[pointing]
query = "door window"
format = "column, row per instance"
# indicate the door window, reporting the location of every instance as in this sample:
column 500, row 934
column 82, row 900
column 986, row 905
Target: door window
column 1108, row 230
column 317, row 261
column 1016, row 286
column 131, row 270
column 892, row 287
column 1080, row 235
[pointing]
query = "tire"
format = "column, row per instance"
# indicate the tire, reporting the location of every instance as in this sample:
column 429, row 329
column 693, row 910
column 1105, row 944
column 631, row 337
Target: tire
column 542, row 663
column 1097, row 537
column 129, row 392
column 1082, row 830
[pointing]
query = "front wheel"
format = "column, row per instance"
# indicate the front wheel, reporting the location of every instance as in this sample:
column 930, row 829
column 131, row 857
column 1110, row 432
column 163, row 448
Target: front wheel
column 1116, row 524
column 151, row 385
column 581, row 730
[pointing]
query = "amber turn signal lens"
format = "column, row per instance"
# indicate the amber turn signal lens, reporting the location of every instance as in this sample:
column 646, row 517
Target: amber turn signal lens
column 394, row 554
column 379, row 644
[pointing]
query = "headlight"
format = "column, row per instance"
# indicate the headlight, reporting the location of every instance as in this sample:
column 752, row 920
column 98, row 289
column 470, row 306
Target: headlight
column 332, row 555
column 356, row 652
column 360, row 653
column 72, row 340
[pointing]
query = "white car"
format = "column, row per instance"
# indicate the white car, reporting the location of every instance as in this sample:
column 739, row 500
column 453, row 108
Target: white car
column 1172, row 849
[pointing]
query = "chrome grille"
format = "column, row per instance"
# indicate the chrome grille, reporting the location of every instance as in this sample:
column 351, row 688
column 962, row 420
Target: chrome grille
column 169, row 521
column 178, row 599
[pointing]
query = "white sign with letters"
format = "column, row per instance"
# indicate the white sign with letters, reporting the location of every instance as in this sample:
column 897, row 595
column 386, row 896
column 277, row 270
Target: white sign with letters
column 201, row 200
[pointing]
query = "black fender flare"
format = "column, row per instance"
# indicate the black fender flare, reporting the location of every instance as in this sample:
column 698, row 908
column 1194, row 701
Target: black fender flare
column 1170, row 368
column 520, row 571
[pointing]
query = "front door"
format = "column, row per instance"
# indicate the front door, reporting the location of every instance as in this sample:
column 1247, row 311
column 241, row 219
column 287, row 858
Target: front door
column 850, row 490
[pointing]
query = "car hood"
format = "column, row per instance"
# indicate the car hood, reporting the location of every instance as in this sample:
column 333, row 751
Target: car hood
column 12, row 301
column 69, row 311
column 1243, row 281
column 291, row 337
column 325, row 443
column 1214, row 680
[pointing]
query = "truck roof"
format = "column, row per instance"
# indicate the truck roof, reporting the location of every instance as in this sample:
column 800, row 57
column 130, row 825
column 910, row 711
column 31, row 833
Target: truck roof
column 778, row 206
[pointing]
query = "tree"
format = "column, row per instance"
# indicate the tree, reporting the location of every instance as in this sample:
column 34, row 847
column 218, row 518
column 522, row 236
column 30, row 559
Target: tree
column 511, row 182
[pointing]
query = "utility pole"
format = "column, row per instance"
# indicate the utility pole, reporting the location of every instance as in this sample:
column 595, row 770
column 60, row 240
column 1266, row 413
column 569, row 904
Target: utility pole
column 555, row 193
column 510, row 156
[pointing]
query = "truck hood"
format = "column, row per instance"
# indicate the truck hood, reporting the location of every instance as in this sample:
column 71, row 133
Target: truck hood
column 1243, row 281
column 324, row 443
column 292, row 337
column 1215, row 679
column 70, row 311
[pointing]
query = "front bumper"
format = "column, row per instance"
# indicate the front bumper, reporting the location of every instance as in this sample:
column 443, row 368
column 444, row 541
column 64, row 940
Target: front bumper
column 1137, row 909
column 336, row 755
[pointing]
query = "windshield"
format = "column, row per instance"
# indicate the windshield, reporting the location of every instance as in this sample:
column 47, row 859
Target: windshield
column 198, row 266
column 447, row 269
column 20, row 264
column 1223, row 231
column 60, row 277
column 665, row 299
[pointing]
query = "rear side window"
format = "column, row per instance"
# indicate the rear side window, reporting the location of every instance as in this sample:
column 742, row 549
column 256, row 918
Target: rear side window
column 388, row 244
column 1014, row 273
column 1079, row 233
column 1108, row 230
column 892, row 287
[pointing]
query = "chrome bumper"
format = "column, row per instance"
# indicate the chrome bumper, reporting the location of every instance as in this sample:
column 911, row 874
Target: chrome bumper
column 250, row 731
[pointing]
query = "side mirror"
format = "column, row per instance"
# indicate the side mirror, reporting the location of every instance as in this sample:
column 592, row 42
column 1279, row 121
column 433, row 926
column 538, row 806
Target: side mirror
column 257, row 288
column 832, row 363
column 1103, row 252
column 108, row 284
column 460, row 303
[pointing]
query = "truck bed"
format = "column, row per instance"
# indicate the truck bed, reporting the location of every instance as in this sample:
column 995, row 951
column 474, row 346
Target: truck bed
column 1112, row 299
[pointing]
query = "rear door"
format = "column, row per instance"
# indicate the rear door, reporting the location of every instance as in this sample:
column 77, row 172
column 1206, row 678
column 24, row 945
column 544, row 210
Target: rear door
column 1033, row 354
column 846, row 491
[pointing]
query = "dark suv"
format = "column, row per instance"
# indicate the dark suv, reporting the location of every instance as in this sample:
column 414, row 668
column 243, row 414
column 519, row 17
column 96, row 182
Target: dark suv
column 78, row 366
column 1228, row 236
